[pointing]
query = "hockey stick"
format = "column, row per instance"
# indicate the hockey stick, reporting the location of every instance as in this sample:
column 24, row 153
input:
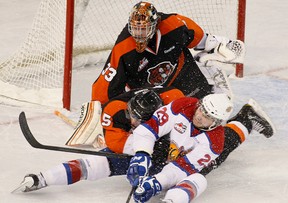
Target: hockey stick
column 34, row 143
column 130, row 194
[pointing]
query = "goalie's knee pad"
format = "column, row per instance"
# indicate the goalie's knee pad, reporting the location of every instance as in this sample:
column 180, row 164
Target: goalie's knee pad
column 187, row 189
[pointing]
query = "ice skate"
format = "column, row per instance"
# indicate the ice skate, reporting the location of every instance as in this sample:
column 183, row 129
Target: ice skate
column 30, row 183
column 252, row 115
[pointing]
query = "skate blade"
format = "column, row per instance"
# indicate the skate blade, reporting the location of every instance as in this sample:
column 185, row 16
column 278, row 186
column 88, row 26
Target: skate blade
column 22, row 187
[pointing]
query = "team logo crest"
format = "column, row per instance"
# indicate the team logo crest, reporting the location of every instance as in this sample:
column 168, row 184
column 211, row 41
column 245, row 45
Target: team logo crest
column 180, row 127
column 160, row 73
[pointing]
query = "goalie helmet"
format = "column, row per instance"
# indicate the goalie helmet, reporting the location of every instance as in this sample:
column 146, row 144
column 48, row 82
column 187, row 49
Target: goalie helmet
column 143, row 104
column 142, row 24
column 217, row 107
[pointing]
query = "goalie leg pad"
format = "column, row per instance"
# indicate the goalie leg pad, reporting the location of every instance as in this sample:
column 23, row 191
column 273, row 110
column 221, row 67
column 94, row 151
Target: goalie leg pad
column 217, row 77
column 89, row 130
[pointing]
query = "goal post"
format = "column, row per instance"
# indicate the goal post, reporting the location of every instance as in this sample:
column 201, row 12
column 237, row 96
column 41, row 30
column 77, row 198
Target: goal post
column 68, row 34
column 68, row 55
column 239, row 72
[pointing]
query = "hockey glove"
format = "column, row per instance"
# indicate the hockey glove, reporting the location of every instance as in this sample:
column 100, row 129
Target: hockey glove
column 232, row 52
column 138, row 168
column 148, row 187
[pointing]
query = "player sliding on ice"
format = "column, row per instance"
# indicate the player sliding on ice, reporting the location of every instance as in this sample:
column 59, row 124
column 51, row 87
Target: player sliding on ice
column 196, row 122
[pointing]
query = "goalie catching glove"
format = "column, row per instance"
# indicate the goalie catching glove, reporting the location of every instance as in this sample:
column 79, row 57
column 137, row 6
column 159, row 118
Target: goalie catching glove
column 220, row 49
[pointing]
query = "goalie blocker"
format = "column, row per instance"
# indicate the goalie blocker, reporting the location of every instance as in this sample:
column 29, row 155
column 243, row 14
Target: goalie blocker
column 89, row 130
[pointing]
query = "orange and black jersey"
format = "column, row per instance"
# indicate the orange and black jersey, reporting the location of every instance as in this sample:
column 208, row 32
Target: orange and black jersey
column 117, row 126
column 167, row 61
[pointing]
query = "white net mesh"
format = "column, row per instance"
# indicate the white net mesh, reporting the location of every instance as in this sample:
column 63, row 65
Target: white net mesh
column 38, row 64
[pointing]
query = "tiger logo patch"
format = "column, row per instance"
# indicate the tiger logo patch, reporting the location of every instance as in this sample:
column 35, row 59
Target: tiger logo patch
column 160, row 73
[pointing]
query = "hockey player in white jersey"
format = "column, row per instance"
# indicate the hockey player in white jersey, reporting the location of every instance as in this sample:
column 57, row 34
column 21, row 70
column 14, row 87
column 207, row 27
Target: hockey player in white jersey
column 196, row 137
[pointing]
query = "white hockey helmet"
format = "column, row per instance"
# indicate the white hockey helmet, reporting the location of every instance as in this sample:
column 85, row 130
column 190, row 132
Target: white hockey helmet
column 218, row 107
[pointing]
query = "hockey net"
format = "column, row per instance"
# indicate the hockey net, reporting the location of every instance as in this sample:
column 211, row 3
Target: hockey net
column 35, row 72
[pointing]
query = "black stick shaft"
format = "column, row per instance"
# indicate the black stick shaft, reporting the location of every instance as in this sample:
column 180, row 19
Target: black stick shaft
column 130, row 194
column 34, row 143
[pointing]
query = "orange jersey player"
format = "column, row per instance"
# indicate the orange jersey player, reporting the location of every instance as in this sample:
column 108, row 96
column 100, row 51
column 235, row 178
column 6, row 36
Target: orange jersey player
column 153, row 49
column 118, row 125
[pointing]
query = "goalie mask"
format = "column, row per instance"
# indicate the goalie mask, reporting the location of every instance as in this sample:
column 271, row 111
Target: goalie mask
column 212, row 111
column 142, row 24
column 143, row 105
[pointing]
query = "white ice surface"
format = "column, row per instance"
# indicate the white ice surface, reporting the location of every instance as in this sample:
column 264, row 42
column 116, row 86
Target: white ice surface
column 256, row 172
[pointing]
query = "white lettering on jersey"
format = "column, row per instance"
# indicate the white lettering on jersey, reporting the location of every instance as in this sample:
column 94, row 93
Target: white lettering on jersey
column 109, row 73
